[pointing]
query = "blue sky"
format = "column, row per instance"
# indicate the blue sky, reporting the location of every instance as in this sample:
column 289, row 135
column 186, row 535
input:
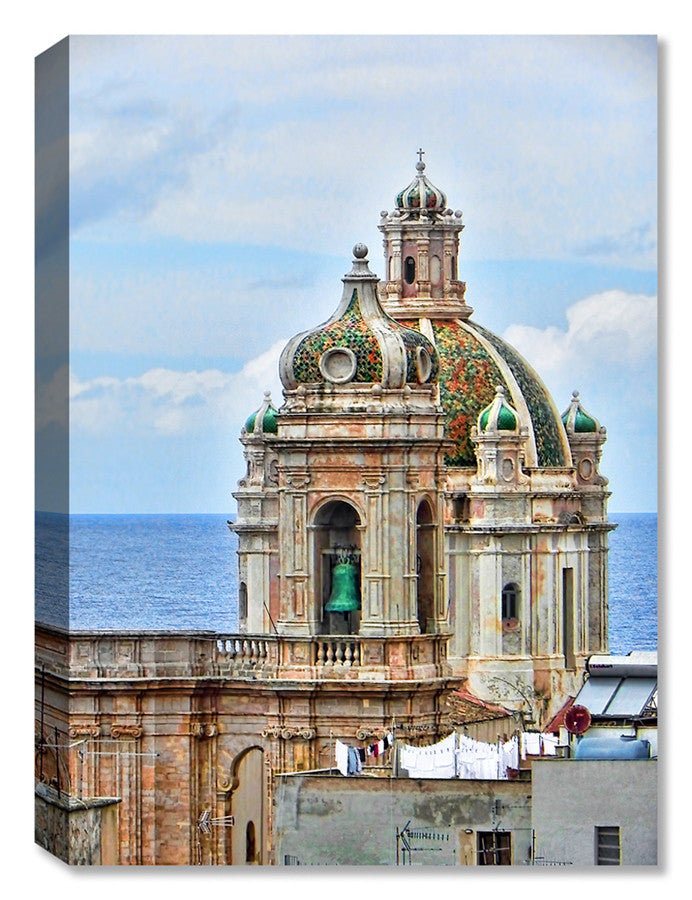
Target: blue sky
column 218, row 185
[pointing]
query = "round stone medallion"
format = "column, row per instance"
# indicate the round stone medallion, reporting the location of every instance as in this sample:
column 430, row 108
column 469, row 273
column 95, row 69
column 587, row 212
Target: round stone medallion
column 338, row 365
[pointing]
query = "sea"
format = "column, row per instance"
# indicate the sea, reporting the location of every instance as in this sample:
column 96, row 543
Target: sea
column 180, row 573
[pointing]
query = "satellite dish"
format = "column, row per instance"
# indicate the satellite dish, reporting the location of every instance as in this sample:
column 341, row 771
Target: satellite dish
column 577, row 719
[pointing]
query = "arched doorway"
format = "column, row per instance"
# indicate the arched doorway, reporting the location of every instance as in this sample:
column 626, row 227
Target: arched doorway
column 337, row 545
column 425, row 567
column 247, row 804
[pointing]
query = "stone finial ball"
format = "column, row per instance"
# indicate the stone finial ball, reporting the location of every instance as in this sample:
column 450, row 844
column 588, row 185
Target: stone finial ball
column 360, row 251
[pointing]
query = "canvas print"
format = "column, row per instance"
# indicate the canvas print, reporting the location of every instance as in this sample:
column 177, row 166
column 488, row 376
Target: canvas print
column 346, row 451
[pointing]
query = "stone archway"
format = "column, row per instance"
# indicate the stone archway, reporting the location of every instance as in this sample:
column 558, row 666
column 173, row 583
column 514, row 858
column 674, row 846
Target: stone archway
column 247, row 803
column 337, row 536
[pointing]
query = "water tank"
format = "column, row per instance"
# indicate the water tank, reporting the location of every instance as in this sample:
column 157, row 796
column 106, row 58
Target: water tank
column 615, row 747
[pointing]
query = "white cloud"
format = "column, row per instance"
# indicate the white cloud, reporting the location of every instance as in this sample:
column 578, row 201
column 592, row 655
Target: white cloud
column 611, row 329
column 167, row 402
column 543, row 142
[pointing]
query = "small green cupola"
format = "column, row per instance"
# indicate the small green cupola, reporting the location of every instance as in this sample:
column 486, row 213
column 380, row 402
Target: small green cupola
column 499, row 415
column 576, row 420
column 265, row 416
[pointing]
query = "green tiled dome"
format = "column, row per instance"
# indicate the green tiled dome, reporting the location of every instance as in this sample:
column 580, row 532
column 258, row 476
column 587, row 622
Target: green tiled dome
column 576, row 420
column 500, row 410
column 266, row 415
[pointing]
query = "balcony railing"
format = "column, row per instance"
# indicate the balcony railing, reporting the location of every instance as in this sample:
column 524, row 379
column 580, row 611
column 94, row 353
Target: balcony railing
column 128, row 655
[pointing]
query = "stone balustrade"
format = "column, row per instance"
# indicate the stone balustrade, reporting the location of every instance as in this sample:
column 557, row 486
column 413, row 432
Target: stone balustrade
column 185, row 655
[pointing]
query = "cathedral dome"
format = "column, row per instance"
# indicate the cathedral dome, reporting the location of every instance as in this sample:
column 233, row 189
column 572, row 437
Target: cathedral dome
column 473, row 362
column 360, row 343
column 421, row 194
column 264, row 419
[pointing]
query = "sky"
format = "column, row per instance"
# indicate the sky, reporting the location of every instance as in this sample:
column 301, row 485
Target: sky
column 218, row 185
column 35, row 27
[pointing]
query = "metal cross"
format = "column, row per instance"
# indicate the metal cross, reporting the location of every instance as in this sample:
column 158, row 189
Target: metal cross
column 420, row 154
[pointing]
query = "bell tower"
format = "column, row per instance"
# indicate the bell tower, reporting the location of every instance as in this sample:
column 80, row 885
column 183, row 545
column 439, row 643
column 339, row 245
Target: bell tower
column 361, row 474
column 421, row 248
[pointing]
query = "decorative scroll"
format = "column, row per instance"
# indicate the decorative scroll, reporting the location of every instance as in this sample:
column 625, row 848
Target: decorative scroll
column 80, row 731
column 285, row 733
column 126, row 732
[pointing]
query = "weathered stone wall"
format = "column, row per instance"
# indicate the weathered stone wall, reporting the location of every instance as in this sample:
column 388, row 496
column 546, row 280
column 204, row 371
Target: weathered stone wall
column 77, row 832
column 353, row 821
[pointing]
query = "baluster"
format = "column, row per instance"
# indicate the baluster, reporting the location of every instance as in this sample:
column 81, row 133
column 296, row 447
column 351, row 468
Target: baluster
column 320, row 653
column 330, row 654
column 356, row 654
column 339, row 653
column 348, row 655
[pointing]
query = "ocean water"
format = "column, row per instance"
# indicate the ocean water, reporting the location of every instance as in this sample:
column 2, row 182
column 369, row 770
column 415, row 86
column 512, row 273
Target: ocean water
column 179, row 572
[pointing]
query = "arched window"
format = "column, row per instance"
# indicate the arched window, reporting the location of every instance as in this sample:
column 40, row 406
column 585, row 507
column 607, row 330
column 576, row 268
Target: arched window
column 409, row 270
column 510, row 601
column 425, row 567
column 242, row 600
column 250, row 851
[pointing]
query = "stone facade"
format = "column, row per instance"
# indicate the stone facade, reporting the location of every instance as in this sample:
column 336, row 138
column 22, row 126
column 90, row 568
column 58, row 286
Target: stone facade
column 322, row 820
column 420, row 459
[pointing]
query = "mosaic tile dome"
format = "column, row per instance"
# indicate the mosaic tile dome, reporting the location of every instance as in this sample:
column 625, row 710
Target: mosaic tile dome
column 473, row 362
column 360, row 343
column 421, row 194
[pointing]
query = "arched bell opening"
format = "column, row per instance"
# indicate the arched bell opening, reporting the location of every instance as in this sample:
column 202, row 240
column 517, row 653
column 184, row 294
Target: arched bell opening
column 425, row 567
column 337, row 530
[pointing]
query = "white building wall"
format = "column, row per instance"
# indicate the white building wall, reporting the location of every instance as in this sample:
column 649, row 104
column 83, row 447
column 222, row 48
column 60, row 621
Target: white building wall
column 572, row 797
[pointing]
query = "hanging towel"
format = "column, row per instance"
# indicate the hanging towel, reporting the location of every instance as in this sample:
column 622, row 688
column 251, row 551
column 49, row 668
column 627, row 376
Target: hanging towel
column 341, row 753
column 353, row 761
column 550, row 742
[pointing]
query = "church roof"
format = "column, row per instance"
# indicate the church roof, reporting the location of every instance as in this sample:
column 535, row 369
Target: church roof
column 360, row 343
column 421, row 193
column 473, row 362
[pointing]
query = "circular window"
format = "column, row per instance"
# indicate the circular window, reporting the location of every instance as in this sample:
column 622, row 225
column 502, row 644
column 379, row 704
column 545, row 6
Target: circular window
column 338, row 365
column 424, row 364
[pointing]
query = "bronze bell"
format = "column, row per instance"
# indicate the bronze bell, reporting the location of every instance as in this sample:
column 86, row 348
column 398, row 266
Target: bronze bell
column 344, row 596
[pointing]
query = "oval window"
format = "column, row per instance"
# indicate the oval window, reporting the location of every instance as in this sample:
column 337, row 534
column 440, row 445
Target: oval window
column 424, row 364
column 409, row 270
